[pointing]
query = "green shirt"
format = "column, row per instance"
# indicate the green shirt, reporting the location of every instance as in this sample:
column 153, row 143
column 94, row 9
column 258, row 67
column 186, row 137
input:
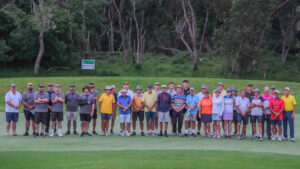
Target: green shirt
column 149, row 100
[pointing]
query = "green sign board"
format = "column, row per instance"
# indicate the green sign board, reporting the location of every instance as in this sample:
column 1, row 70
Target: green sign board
column 88, row 64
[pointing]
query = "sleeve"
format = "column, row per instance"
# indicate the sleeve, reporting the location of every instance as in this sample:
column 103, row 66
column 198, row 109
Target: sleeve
column 92, row 100
column 294, row 101
column 130, row 101
column 261, row 99
column 66, row 98
column 118, row 101
column 222, row 107
column 47, row 96
column 6, row 97
column 143, row 98
column 35, row 97
column 282, row 104
column 271, row 104
column 101, row 99
column 23, row 97
column 63, row 96
column 53, row 96
column 158, row 102
column 96, row 93
column 114, row 101
column 155, row 98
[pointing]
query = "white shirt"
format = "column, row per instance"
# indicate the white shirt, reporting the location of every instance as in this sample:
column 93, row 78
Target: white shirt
column 14, row 99
column 218, row 105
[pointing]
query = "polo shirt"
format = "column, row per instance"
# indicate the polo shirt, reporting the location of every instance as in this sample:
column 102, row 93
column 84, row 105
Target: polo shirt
column 243, row 103
column 289, row 102
column 277, row 105
column 206, row 106
column 41, row 107
column 71, row 100
column 218, row 105
column 249, row 95
column 137, row 101
column 178, row 100
column 267, row 99
column 124, row 101
column 149, row 99
column 228, row 104
column 14, row 99
column 58, row 106
column 192, row 101
column 86, row 108
column 107, row 102
column 171, row 92
column 256, row 111
column 28, row 97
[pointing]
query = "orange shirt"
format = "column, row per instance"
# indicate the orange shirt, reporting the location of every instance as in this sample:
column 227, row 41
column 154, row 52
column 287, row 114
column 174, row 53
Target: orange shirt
column 206, row 106
column 137, row 102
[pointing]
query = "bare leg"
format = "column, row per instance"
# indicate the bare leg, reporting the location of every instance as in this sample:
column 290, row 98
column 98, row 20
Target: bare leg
column 225, row 123
column 229, row 127
column 279, row 130
column 94, row 124
column 161, row 126
column 166, row 126
column 133, row 125
column 14, row 126
column 69, row 125
column 142, row 125
column 82, row 127
column 7, row 128
column 74, row 125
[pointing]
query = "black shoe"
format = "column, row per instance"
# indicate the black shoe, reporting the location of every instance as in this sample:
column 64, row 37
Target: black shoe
column 133, row 133
column 35, row 134
column 142, row 134
column 186, row 135
column 68, row 133
column 160, row 133
column 42, row 135
column 166, row 134
column 111, row 131
column 75, row 133
column 26, row 134
column 194, row 135
column 198, row 133
column 95, row 133
column 82, row 134
column 88, row 134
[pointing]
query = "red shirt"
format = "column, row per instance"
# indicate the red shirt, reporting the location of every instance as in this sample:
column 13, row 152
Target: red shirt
column 277, row 105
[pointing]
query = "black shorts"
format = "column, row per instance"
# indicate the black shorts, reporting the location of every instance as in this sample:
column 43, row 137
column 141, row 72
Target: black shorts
column 57, row 116
column 28, row 115
column 85, row 117
column 257, row 118
column 139, row 114
column 41, row 117
column 95, row 116
column 198, row 119
column 235, row 120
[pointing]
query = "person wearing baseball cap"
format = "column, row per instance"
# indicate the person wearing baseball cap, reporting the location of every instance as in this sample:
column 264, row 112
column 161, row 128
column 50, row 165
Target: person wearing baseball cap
column 95, row 94
column 125, row 103
column 229, row 102
column 201, row 95
column 157, row 91
column 86, row 102
column 71, row 101
column 221, row 88
column 113, row 117
column 186, row 89
column 41, row 100
column 288, row 113
column 234, row 94
column 138, row 110
column 164, row 105
column 171, row 90
column 192, row 102
column 149, row 99
column 249, row 93
column 129, row 92
column 242, row 105
column 178, row 104
column 267, row 112
column 277, row 108
column 205, row 111
column 106, row 107
column 273, row 88
column 50, row 92
column 256, row 105
column 217, row 112
column 28, row 102
column 13, row 100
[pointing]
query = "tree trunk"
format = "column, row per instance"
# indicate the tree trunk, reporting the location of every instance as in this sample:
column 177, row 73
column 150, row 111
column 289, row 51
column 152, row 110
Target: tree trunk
column 40, row 54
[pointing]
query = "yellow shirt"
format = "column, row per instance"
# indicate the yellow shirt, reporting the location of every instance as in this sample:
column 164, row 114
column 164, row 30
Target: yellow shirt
column 107, row 102
column 289, row 102
column 149, row 100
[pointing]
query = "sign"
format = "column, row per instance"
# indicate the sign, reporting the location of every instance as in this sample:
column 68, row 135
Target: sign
column 88, row 64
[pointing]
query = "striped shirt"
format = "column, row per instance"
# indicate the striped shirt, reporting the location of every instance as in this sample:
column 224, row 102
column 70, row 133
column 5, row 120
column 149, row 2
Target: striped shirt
column 178, row 100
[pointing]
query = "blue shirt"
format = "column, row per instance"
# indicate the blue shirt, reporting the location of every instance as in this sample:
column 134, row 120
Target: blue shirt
column 124, row 101
column 192, row 100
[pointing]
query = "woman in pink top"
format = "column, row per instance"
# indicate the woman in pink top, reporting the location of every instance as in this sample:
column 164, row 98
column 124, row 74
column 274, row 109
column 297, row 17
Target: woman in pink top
column 267, row 112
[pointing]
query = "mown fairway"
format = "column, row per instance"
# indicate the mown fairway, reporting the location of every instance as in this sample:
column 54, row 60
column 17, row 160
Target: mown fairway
column 142, row 152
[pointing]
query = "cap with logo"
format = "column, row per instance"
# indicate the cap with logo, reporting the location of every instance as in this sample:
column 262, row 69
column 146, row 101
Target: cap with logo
column 192, row 89
column 277, row 91
column 156, row 83
column 221, row 83
column 57, row 85
column 250, row 85
column 113, row 86
column 123, row 91
column 126, row 83
column 50, row 84
column 41, row 85
column 29, row 84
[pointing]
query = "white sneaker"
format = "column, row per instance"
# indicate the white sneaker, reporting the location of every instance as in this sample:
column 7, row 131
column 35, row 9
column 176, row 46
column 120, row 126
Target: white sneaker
column 52, row 135
column 123, row 134
column 60, row 135
column 274, row 138
column 127, row 134
column 218, row 136
column 102, row 134
column 107, row 133
column 156, row 132
column 279, row 139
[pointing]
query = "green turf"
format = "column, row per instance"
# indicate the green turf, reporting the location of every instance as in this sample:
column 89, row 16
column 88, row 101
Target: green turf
column 147, row 159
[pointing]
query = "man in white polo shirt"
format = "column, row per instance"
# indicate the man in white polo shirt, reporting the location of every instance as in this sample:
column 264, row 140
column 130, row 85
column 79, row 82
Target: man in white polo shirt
column 13, row 100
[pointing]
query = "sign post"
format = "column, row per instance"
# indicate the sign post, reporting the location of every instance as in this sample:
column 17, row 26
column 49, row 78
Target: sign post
column 88, row 64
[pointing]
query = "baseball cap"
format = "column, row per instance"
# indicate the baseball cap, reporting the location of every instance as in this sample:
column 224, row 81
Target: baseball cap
column 234, row 89
column 107, row 88
column 256, row 90
column 126, row 83
column 273, row 87
column 156, row 83
column 57, row 85
column 50, row 84
column 13, row 85
column 72, row 85
column 228, row 90
column 185, row 81
column 163, row 86
column 250, row 85
column 85, row 87
column 41, row 85
column 178, row 86
column 192, row 89
column 91, row 83
column 203, row 86
column 29, row 84
column 123, row 91
column 150, row 86
column 217, row 90
column 113, row 86
column 277, row 91
column 138, row 87
column 287, row 88
column 220, row 83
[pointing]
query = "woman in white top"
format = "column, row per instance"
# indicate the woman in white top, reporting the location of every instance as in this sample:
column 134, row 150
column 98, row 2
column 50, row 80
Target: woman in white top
column 229, row 103
column 217, row 111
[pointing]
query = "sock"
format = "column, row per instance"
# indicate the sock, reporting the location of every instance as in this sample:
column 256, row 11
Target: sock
column 52, row 131
column 59, row 131
column 142, row 131
column 133, row 130
column 193, row 131
column 186, row 131
column 260, row 135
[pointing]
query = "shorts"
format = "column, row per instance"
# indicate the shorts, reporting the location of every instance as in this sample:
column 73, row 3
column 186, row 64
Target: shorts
column 228, row 116
column 190, row 116
column 105, row 116
column 241, row 118
column 85, row 117
column 163, row 116
column 125, row 118
column 71, row 115
column 139, row 114
column 28, row 115
column 12, row 117
column 41, row 117
column 150, row 116
column 206, row 118
column 276, row 122
column 95, row 116
column 235, row 116
column 216, row 117
column 258, row 118
column 59, row 116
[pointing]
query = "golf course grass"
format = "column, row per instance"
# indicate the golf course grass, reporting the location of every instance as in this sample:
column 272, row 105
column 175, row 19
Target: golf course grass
column 139, row 152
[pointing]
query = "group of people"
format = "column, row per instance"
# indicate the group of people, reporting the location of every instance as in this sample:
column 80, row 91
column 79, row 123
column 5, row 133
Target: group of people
column 160, row 105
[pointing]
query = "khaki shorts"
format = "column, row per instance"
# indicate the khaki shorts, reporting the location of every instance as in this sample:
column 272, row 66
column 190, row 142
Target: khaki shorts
column 71, row 115
column 190, row 116
column 163, row 116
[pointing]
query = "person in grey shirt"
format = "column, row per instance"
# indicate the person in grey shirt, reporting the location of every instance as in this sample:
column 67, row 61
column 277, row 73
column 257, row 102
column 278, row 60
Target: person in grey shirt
column 87, row 106
column 256, row 105
column 41, row 100
column 95, row 94
column 28, row 102
column 58, row 100
column 71, row 101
